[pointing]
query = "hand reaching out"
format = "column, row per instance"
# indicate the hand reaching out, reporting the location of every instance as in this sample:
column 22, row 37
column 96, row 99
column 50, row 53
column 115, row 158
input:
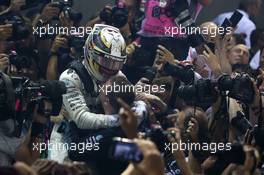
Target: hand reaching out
column 130, row 49
column 157, row 104
column 143, row 82
column 128, row 119
column 152, row 164
column 158, row 64
column 212, row 61
column 22, row 168
column 59, row 42
column 78, row 168
column 16, row 5
column 65, row 20
column 165, row 54
column 6, row 31
column 4, row 62
column 193, row 129
column 178, row 153
column 255, row 109
column 261, row 79
column 248, row 137
column 104, row 98
column 222, row 46
column 252, row 158
column 224, row 43
column 49, row 11
column 43, row 167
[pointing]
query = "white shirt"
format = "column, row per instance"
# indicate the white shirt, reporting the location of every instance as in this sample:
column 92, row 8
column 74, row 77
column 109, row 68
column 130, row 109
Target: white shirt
column 255, row 61
column 245, row 25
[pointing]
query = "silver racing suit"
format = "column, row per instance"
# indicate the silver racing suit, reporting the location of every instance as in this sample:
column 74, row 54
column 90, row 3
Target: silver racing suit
column 82, row 106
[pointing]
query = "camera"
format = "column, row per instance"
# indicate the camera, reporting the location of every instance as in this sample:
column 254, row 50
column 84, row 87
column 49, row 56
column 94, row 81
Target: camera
column 20, row 61
column 17, row 92
column 117, row 16
column 125, row 150
column 202, row 93
column 149, row 73
column 241, row 123
column 232, row 21
column 20, row 30
column 240, row 87
column 156, row 134
column 160, row 137
column 65, row 6
column 176, row 8
column 35, row 93
column 77, row 42
column 182, row 72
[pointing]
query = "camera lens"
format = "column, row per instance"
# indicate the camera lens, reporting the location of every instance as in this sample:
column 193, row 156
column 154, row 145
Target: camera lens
column 187, row 92
column 225, row 83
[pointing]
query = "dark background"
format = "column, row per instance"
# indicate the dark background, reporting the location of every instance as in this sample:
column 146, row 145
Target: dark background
column 90, row 7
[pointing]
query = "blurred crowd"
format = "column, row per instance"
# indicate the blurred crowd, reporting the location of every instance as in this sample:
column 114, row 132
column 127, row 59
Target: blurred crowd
column 139, row 89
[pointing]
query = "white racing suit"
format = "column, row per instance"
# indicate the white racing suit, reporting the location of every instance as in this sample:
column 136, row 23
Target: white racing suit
column 83, row 107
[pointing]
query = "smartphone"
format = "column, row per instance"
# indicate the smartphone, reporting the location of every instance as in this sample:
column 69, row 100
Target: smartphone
column 125, row 150
column 235, row 18
column 232, row 21
column 241, row 123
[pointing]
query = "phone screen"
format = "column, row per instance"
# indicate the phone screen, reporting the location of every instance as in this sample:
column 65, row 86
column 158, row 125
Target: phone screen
column 126, row 151
column 235, row 18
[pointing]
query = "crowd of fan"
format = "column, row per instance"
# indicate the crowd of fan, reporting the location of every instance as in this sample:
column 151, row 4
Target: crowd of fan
column 204, row 116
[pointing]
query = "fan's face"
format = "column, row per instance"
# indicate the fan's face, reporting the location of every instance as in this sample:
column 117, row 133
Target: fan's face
column 239, row 55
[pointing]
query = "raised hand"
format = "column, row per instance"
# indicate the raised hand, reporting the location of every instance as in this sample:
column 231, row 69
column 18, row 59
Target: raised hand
column 6, row 31
column 193, row 129
column 4, row 62
column 128, row 119
column 165, row 54
column 212, row 61
column 49, row 12
column 222, row 46
column 152, row 164
column 43, row 167
column 59, row 42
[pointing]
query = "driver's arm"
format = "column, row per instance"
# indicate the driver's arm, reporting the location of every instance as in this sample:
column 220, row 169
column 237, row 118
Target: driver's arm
column 75, row 105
